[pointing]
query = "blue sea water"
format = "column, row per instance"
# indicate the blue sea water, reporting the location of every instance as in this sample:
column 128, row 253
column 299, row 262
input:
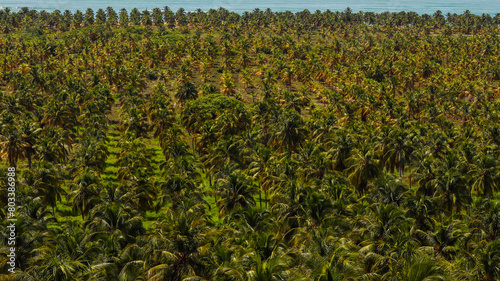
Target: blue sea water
column 491, row 7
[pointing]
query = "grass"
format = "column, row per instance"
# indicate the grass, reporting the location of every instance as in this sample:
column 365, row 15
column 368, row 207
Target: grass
column 64, row 214
column 150, row 218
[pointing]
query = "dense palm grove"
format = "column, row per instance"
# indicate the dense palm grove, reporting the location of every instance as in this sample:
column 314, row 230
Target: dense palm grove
column 320, row 146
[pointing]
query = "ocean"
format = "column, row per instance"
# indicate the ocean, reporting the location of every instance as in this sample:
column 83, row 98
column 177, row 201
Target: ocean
column 478, row 7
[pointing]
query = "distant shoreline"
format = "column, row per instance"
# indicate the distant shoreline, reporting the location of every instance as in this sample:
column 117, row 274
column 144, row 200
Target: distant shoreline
column 334, row 8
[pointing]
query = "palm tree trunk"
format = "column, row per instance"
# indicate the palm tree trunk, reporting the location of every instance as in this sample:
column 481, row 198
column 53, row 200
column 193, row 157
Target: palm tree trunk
column 215, row 193
column 12, row 161
column 265, row 199
column 409, row 169
column 260, row 194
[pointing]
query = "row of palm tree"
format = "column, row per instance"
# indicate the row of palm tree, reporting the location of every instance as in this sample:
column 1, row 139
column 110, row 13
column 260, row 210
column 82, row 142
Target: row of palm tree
column 220, row 18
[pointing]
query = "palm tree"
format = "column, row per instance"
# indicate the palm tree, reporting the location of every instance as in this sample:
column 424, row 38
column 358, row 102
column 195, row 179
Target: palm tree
column 296, row 101
column 77, row 19
column 162, row 119
column 235, row 191
column 146, row 18
column 177, row 189
column 398, row 152
column 319, row 208
column 342, row 147
column 112, row 17
column 422, row 209
column 134, row 160
column 371, row 83
column 231, row 122
column 186, row 91
column 85, row 192
column 45, row 180
column 49, row 151
column 91, row 153
column 12, row 146
column 135, row 16
column 490, row 261
column 364, row 167
column 115, row 220
column 227, row 84
column 290, row 132
column 274, row 268
column 179, row 160
column 89, row 17
column 425, row 269
column 61, row 114
column 384, row 223
column 226, row 259
column 288, row 201
column 387, row 190
column 123, row 17
column 486, row 218
column 179, row 246
column 135, row 120
column 260, row 169
column 443, row 239
column 100, row 17
column 450, row 184
column 29, row 133
column 485, row 175
column 30, row 233
column 67, row 257
column 157, row 17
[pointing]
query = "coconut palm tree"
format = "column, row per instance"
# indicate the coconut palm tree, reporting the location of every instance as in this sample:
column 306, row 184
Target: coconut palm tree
column 135, row 120
column 91, row 153
column 485, row 175
column 11, row 145
column 290, row 132
column 490, row 260
column 115, row 220
column 426, row 269
column 162, row 120
column 45, row 181
column 486, row 218
column 179, row 247
column 227, row 84
column 274, row 268
column 342, row 146
column 387, row 190
column 260, row 169
column 65, row 258
column 443, row 239
column 359, row 92
column 134, row 160
column 399, row 150
column 85, row 192
column 450, row 184
column 186, row 91
column 364, row 167
column 385, row 222
column 235, row 191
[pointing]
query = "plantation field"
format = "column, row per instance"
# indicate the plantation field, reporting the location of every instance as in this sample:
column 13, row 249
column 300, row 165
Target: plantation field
column 168, row 145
